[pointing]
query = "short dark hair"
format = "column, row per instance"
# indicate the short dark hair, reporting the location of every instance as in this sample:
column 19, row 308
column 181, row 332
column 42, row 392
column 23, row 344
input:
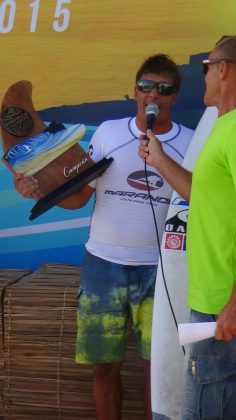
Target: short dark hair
column 160, row 63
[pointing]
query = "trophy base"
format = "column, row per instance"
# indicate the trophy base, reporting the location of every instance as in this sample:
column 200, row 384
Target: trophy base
column 70, row 187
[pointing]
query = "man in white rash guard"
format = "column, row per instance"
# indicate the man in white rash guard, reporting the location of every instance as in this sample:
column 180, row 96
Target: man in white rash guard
column 120, row 263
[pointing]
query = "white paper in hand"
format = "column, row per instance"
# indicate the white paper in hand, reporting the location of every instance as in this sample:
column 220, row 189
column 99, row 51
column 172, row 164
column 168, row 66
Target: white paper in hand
column 191, row 332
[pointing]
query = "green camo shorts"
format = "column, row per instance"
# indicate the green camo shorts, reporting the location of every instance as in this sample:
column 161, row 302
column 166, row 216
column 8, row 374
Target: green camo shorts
column 110, row 296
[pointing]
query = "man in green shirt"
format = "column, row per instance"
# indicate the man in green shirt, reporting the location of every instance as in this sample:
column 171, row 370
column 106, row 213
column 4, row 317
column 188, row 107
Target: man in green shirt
column 211, row 242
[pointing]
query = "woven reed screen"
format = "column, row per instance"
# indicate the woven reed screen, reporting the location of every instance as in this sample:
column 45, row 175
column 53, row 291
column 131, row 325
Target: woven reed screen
column 38, row 376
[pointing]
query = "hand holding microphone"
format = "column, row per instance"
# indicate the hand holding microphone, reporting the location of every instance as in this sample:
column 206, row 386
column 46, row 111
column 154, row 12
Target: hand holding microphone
column 150, row 147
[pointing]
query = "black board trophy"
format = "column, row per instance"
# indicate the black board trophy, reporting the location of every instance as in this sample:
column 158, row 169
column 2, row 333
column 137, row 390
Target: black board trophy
column 50, row 153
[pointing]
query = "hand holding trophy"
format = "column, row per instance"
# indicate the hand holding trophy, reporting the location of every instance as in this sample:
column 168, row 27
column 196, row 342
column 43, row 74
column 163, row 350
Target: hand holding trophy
column 51, row 154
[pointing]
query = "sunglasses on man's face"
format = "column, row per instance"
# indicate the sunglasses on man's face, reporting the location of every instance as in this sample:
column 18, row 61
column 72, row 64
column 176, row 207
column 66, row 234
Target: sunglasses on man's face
column 163, row 88
column 207, row 62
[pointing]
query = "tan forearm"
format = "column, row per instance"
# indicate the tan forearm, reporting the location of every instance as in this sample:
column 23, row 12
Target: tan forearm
column 178, row 177
column 226, row 323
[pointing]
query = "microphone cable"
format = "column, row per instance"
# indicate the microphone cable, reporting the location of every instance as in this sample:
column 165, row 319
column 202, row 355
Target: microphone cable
column 160, row 252
column 154, row 219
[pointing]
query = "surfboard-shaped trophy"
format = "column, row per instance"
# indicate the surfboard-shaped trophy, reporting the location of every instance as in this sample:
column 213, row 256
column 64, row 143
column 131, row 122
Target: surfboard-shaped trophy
column 50, row 153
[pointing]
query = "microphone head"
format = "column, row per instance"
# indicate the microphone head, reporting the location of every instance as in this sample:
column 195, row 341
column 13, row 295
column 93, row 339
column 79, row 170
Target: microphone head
column 152, row 109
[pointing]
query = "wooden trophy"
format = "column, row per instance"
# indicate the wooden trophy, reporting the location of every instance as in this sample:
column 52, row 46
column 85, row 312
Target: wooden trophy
column 51, row 154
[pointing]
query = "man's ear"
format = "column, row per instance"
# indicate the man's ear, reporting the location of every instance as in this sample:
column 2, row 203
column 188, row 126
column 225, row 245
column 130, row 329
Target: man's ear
column 224, row 70
column 135, row 92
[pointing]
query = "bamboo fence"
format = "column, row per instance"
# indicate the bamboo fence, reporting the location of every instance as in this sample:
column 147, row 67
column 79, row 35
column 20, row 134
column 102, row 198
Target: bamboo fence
column 39, row 378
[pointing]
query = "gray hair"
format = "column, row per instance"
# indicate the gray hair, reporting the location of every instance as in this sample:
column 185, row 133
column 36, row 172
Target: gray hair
column 226, row 46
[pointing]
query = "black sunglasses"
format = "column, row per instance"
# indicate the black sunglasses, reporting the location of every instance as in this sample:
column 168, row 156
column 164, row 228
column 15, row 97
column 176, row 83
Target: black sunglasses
column 207, row 62
column 163, row 88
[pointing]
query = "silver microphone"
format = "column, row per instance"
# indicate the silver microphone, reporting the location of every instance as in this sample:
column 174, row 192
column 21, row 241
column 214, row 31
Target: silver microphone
column 152, row 111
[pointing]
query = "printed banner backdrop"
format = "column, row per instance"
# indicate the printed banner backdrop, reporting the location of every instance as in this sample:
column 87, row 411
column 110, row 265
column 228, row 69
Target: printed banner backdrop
column 81, row 58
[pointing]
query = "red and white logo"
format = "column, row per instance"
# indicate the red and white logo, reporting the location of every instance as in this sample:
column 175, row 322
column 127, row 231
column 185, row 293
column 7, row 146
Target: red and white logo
column 174, row 241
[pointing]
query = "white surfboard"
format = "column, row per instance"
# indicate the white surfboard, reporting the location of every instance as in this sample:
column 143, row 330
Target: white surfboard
column 167, row 356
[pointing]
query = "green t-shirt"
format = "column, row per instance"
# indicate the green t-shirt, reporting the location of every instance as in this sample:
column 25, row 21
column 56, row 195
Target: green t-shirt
column 211, row 236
